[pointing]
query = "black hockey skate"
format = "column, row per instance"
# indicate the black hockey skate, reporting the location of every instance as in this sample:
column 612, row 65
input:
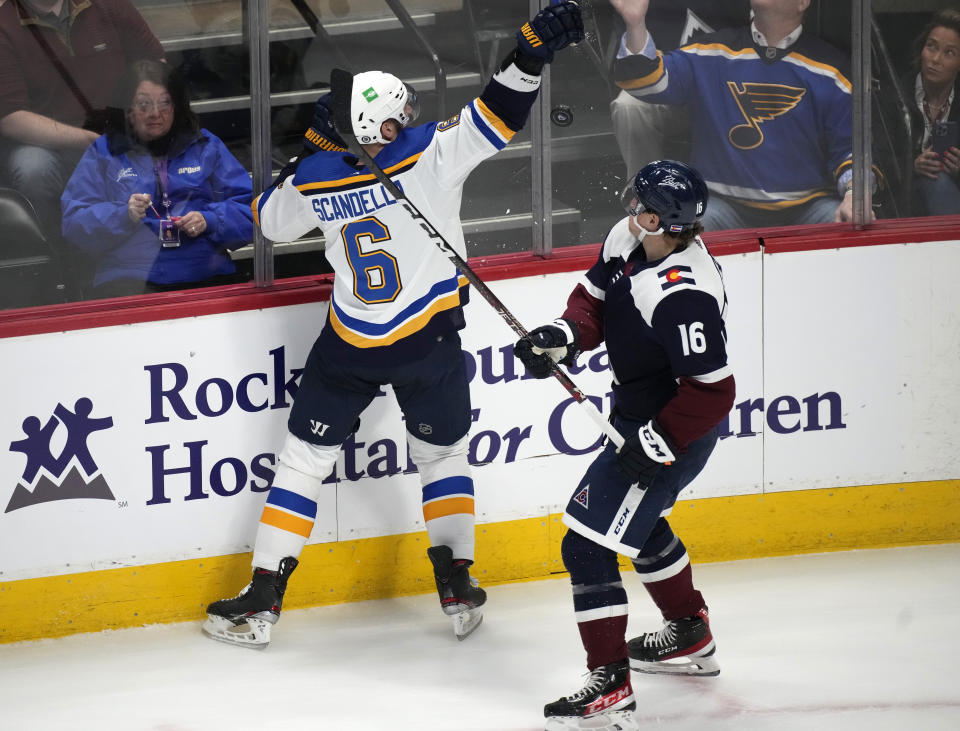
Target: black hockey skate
column 683, row 647
column 607, row 700
column 461, row 597
column 246, row 619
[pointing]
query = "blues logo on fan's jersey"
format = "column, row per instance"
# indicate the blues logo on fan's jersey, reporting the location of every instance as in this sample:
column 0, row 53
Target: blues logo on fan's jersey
column 675, row 275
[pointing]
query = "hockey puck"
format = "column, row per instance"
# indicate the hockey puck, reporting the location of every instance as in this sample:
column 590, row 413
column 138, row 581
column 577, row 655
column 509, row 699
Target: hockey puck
column 561, row 115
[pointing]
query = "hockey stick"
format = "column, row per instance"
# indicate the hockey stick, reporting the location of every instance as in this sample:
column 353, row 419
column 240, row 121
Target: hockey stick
column 341, row 87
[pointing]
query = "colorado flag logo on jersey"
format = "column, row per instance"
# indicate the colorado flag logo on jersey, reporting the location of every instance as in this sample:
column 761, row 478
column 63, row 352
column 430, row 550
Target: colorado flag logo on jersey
column 675, row 275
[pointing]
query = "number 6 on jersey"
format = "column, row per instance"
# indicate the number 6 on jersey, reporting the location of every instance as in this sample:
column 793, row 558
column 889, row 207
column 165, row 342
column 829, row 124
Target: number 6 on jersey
column 376, row 276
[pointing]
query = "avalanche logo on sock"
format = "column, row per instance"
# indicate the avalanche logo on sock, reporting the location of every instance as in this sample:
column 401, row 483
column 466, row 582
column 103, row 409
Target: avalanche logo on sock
column 71, row 474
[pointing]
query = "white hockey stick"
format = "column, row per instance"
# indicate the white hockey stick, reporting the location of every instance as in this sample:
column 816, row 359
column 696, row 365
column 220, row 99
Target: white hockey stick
column 341, row 87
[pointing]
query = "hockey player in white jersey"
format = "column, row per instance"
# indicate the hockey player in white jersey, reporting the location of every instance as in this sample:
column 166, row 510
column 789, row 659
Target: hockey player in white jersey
column 655, row 298
column 394, row 315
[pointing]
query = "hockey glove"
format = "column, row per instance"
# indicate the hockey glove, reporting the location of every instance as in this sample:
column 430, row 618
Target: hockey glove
column 643, row 454
column 558, row 342
column 322, row 135
column 553, row 28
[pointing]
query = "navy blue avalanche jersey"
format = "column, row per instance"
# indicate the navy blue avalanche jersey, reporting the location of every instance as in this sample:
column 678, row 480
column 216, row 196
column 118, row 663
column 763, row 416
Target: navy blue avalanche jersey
column 664, row 326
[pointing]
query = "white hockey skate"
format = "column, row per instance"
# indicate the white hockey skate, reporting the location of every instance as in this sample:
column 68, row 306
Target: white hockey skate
column 461, row 597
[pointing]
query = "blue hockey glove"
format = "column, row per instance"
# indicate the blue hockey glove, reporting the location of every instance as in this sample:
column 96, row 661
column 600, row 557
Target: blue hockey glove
column 322, row 135
column 558, row 342
column 553, row 28
column 643, row 454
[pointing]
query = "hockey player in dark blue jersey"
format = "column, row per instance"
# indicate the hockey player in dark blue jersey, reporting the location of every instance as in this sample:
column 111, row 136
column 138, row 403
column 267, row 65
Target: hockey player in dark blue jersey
column 771, row 113
column 394, row 315
column 656, row 299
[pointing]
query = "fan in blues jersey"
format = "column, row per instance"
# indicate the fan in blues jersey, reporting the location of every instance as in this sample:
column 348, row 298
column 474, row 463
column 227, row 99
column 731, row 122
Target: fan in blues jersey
column 394, row 316
column 771, row 113
column 655, row 298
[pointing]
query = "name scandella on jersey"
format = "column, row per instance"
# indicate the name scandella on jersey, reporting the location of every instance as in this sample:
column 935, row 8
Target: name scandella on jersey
column 394, row 291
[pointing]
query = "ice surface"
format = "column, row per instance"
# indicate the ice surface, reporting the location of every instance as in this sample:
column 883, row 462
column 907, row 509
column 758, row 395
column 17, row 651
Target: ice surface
column 838, row 641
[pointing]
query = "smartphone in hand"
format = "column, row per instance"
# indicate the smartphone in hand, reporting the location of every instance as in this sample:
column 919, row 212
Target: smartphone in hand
column 945, row 136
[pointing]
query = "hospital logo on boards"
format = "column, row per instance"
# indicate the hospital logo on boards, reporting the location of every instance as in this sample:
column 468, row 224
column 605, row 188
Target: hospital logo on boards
column 71, row 474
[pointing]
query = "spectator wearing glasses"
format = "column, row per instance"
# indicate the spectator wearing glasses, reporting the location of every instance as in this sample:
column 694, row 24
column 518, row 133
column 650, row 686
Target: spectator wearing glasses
column 159, row 204
column 61, row 67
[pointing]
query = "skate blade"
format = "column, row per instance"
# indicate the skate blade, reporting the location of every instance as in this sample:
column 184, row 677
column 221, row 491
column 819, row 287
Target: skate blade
column 465, row 622
column 610, row 721
column 689, row 665
column 255, row 634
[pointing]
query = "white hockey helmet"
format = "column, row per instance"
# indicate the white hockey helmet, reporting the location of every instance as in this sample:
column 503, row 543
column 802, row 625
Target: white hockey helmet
column 378, row 96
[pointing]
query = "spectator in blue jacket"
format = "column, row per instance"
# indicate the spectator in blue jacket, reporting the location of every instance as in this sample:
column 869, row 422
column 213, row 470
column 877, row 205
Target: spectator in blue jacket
column 158, row 205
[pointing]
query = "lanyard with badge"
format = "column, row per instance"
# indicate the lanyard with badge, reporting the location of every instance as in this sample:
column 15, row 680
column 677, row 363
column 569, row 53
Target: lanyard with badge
column 169, row 233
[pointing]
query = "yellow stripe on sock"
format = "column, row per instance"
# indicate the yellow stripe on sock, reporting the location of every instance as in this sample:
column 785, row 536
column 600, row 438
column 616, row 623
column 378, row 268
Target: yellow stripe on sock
column 287, row 522
column 450, row 506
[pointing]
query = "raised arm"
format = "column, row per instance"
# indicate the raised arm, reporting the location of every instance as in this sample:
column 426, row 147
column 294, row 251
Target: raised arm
column 634, row 14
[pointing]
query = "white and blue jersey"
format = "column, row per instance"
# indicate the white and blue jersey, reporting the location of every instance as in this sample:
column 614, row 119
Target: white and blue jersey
column 394, row 291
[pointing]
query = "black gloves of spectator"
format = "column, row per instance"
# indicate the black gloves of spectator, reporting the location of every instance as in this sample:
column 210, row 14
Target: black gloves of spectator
column 644, row 453
column 558, row 342
column 322, row 135
column 553, row 28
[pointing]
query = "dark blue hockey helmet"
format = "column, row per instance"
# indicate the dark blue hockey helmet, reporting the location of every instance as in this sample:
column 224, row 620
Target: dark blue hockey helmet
column 673, row 190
